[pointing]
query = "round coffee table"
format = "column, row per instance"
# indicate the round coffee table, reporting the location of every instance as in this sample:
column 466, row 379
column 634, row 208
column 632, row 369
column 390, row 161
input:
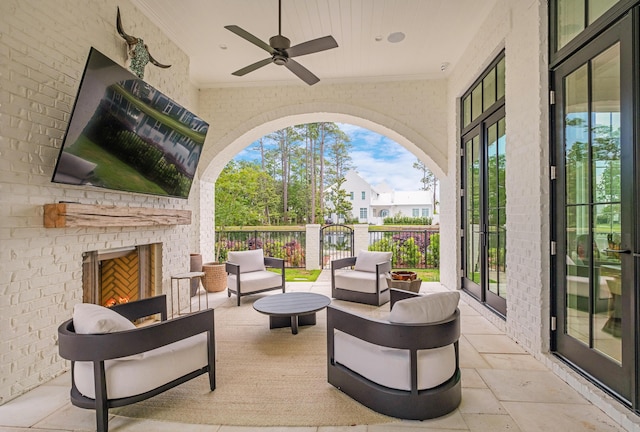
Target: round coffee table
column 291, row 309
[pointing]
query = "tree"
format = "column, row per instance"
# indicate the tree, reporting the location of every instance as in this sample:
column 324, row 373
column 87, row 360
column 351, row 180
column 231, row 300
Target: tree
column 339, row 162
column 286, row 139
column 293, row 166
column 429, row 180
column 243, row 192
column 337, row 200
column 311, row 132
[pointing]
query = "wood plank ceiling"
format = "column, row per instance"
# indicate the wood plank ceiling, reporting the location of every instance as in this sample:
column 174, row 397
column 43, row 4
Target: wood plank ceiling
column 436, row 32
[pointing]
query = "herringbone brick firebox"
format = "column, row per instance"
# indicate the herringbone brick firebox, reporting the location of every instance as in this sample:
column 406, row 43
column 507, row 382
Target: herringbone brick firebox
column 121, row 275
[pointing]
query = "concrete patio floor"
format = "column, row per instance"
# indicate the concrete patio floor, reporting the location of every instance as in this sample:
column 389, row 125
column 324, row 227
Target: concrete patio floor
column 503, row 389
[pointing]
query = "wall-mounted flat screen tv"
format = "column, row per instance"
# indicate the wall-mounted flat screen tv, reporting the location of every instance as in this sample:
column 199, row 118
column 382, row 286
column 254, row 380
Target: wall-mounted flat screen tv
column 126, row 135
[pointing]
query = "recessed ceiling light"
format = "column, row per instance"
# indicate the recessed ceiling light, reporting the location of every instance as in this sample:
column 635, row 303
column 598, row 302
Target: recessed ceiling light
column 222, row 46
column 444, row 66
column 396, row 37
column 378, row 38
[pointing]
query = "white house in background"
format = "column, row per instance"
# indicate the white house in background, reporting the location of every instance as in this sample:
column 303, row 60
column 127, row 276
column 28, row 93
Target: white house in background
column 371, row 204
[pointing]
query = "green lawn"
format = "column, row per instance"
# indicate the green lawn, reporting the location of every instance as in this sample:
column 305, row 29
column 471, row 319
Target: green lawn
column 428, row 275
column 301, row 275
column 112, row 172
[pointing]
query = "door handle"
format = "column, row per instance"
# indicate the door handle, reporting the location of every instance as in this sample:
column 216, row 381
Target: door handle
column 619, row 251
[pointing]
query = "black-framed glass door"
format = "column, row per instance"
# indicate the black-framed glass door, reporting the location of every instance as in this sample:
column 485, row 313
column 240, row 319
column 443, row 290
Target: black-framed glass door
column 484, row 211
column 594, row 208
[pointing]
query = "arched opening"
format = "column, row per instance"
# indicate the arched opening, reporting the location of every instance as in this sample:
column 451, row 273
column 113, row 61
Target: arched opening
column 235, row 141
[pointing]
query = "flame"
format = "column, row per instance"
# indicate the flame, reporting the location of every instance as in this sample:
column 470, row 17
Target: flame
column 120, row 300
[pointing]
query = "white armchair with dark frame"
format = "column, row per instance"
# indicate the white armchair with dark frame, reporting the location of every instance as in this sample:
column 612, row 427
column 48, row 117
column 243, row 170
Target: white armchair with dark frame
column 114, row 363
column 366, row 282
column 247, row 273
column 406, row 366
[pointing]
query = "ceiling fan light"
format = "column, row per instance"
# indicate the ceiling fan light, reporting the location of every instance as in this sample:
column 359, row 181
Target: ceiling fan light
column 279, row 60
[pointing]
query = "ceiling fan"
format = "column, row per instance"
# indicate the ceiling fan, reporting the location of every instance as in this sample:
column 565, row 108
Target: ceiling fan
column 282, row 52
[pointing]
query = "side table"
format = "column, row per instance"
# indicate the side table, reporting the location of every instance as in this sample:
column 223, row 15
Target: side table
column 186, row 276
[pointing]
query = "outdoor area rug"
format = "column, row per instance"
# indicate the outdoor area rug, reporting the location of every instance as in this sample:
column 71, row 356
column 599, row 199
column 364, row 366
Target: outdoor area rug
column 263, row 378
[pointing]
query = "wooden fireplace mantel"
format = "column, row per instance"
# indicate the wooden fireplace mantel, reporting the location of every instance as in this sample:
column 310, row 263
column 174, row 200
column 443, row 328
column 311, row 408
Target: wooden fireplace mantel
column 65, row 215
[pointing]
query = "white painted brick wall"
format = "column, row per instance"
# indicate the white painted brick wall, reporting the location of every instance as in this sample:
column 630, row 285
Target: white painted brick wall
column 519, row 27
column 206, row 235
column 43, row 50
column 410, row 112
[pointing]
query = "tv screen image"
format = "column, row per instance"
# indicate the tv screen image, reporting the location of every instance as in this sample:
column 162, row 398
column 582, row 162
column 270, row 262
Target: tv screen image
column 126, row 135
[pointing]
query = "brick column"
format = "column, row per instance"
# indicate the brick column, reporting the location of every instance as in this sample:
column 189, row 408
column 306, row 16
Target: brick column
column 360, row 238
column 312, row 247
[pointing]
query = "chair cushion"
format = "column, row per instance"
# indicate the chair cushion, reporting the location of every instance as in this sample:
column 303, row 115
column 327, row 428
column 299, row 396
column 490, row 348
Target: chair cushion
column 91, row 319
column 155, row 368
column 360, row 281
column 366, row 260
column 255, row 281
column 249, row 261
column 425, row 309
column 390, row 367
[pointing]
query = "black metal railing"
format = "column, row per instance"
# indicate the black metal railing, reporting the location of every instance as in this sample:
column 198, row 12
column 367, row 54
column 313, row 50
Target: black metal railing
column 288, row 245
column 411, row 248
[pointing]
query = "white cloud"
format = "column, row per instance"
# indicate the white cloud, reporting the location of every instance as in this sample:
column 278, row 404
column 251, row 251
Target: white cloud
column 378, row 159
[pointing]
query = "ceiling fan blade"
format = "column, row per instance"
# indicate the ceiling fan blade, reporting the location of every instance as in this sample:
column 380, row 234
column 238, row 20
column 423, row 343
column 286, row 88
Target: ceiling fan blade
column 302, row 72
column 251, row 38
column 257, row 65
column 312, row 46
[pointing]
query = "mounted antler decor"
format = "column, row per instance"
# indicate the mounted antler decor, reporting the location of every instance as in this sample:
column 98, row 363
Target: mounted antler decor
column 138, row 51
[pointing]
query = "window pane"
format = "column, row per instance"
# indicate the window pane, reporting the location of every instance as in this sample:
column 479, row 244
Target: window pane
column 605, row 132
column 593, row 272
column 496, row 208
column 492, row 173
column 489, row 89
column 570, row 20
column 599, row 7
column 605, row 142
column 578, row 274
column 476, row 102
column 500, row 79
column 576, row 136
column 472, row 208
column 466, row 110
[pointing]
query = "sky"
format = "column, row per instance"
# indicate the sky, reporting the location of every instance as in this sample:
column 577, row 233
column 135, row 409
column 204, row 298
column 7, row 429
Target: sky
column 376, row 158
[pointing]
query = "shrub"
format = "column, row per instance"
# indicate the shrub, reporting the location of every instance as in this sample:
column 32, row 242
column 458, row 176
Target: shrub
column 410, row 253
column 432, row 257
column 406, row 220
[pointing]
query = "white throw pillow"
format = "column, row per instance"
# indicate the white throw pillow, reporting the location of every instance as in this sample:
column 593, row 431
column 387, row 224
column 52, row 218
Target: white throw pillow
column 426, row 309
column 249, row 261
column 366, row 260
column 94, row 319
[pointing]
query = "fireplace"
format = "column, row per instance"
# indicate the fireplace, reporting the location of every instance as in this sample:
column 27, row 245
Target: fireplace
column 121, row 275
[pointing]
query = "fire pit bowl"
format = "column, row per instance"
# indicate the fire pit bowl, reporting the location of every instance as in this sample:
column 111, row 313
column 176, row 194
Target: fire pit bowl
column 403, row 275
